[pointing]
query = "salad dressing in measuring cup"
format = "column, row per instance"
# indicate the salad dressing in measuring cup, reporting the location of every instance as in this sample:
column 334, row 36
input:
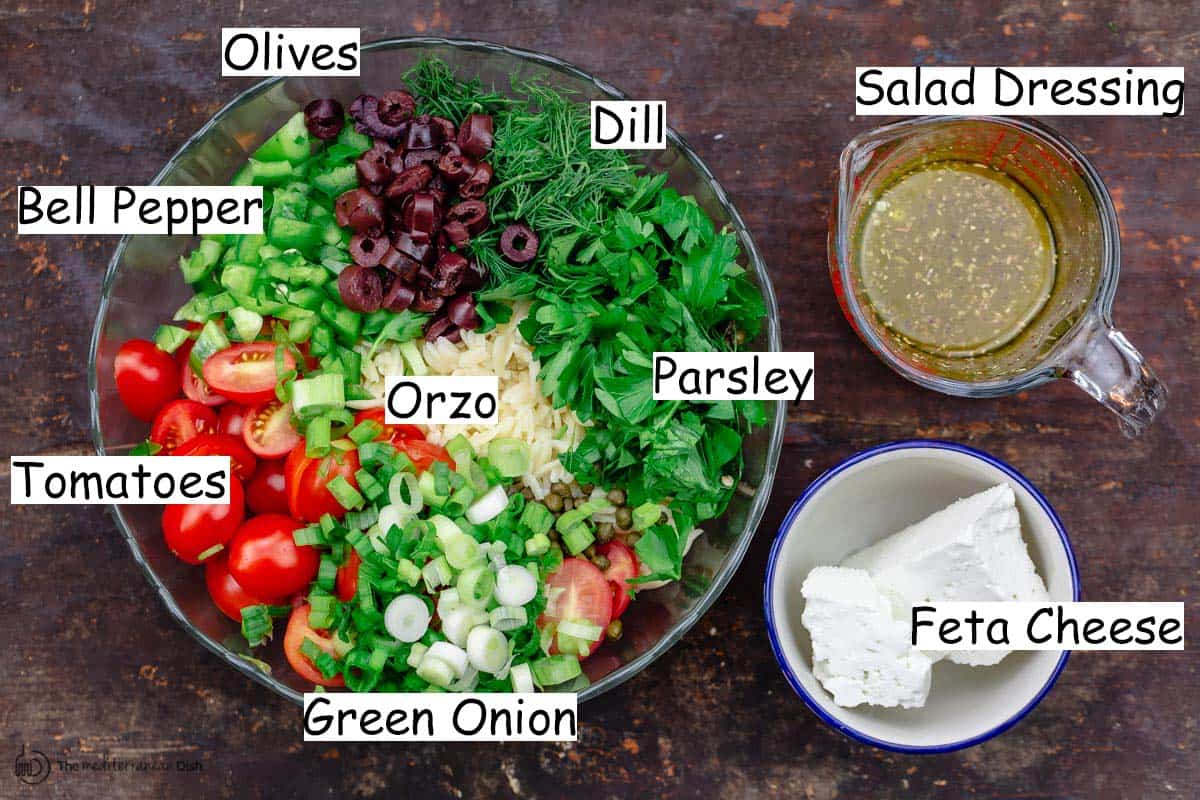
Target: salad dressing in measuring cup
column 956, row 257
column 978, row 256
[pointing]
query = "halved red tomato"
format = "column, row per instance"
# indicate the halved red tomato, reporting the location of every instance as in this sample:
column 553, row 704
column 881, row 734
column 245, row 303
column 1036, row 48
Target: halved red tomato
column 347, row 577
column 622, row 565
column 226, row 593
column 391, row 433
column 579, row 592
column 221, row 444
column 268, row 430
column 194, row 387
column 308, row 480
column 146, row 378
column 293, row 638
column 245, row 373
column 232, row 419
column 266, row 493
column 197, row 532
column 424, row 453
column 179, row 421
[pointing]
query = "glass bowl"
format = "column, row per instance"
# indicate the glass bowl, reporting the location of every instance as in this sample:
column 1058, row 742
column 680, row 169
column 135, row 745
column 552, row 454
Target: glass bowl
column 143, row 287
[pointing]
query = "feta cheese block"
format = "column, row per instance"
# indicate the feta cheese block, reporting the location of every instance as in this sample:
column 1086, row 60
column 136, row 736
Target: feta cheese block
column 972, row 550
column 861, row 650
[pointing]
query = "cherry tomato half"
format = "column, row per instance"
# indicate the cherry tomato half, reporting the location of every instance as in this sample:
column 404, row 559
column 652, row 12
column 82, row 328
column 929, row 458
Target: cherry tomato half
column 226, row 593
column 221, row 444
column 293, row 638
column 194, row 387
column 391, row 433
column 146, row 378
column 246, row 373
column 584, row 596
column 266, row 493
column 267, row 562
column 179, row 421
column 193, row 531
column 232, row 419
column 308, row 480
column 268, row 430
column 622, row 565
column 346, row 585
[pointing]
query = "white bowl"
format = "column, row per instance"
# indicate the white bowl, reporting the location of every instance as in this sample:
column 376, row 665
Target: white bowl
column 862, row 500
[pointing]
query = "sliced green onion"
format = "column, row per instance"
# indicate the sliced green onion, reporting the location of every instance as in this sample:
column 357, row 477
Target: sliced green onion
column 365, row 431
column 327, row 573
column 522, row 678
column 488, row 507
column 210, row 552
column 462, row 551
column 317, row 438
column 487, row 649
column 537, row 545
column 212, row 339
column 370, row 488
column 412, row 357
column 435, row 671
column 509, row 456
column 347, row 496
column 310, row 535
column 256, row 624
column 402, row 484
column 553, row 670
column 437, row 573
column 580, row 629
column 445, row 529
column 313, row 396
column 407, row 617
column 459, row 623
column 460, row 449
column 416, row 654
column 476, row 585
column 407, row 572
column 577, row 539
column 429, row 493
column 515, row 586
column 320, row 610
column 507, row 618
column 452, row 654
column 537, row 518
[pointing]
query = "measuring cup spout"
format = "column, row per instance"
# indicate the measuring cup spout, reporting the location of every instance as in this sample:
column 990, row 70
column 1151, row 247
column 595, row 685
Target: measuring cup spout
column 1103, row 363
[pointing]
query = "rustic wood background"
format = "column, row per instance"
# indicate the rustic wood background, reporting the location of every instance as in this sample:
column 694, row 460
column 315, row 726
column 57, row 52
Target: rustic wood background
column 102, row 92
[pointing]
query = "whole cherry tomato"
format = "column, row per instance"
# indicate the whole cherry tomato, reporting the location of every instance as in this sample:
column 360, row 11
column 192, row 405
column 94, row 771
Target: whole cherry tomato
column 226, row 593
column 221, row 444
column 199, row 531
column 266, row 493
column 267, row 562
column 147, row 378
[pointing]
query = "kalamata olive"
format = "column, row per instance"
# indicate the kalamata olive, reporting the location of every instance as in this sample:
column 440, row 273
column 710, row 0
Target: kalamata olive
column 372, row 166
column 457, row 234
column 359, row 209
column 428, row 156
column 412, row 247
column 440, row 327
column 475, row 135
column 448, row 274
column 404, row 267
column 461, row 311
column 396, row 107
column 424, row 276
column 476, row 186
column 421, row 216
column 471, row 213
column 399, row 296
column 427, row 302
column 324, row 118
column 360, row 289
column 368, row 249
column 456, row 168
column 424, row 133
column 449, row 129
column 450, row 148
column 365, row 111
column 519, row 243
column 410, row 180
column 440, row 188
column 475, row 276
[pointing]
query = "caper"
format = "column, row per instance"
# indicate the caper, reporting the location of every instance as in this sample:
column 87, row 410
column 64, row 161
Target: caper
column 554, row 502
column 576, row 489
column 588, row 488
column 605, row 531
column 561, row 489
column 590, row 552
column 624, row 518
column 614, row 630
column 617, row 497
column 601, row 562
column 632, row 539
column 527, row 493
column 567, row 504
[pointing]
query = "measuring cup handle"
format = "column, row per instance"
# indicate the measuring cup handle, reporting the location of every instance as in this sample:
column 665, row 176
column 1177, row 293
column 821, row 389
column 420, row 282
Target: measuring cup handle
column 1104, row 364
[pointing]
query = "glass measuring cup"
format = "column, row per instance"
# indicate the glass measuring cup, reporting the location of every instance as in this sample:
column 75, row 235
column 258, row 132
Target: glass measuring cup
column 1072, row 336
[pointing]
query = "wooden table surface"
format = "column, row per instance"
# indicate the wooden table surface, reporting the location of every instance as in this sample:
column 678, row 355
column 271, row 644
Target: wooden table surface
column 103, row 93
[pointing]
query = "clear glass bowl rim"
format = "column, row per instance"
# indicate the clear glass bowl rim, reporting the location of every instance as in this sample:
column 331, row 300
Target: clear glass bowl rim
column 1048, row 367
column 758, row 507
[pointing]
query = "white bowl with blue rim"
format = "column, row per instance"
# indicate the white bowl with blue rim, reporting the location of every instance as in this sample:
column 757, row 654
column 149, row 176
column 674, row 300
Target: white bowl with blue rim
column 866, row 498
